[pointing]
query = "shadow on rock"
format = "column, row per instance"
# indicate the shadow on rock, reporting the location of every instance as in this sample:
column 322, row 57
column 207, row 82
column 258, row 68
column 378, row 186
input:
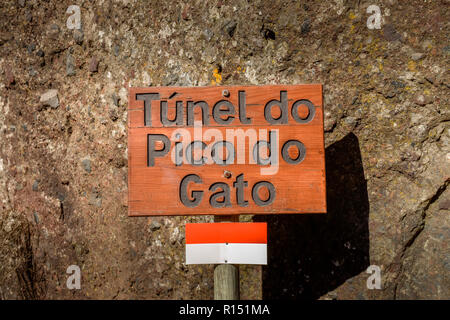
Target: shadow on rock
column 312, row 254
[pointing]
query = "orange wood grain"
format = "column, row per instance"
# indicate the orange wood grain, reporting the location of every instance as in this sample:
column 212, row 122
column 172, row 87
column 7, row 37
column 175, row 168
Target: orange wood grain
column 155, row 190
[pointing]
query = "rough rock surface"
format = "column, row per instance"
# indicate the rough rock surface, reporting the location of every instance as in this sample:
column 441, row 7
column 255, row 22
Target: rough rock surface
column 50, row 99
column 63, row 171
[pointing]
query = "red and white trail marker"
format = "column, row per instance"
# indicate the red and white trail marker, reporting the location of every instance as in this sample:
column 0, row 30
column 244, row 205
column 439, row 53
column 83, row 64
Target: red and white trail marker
column 226, row 242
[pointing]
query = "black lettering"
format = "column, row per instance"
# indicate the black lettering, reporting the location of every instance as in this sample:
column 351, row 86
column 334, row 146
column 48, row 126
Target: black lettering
column 311, row 111
column 195, row 195
column 301, row 151
column 218, row 112
column 178, row 120
column 152, row 153
column 230, row 152
column 190, row 153
column 271, row 146
column 178, row 153
column 270, row 189
column 147, row 97
column 242, row 108
column 224, row 193
column 240, row 185
column 190, row 112
column 282, row 104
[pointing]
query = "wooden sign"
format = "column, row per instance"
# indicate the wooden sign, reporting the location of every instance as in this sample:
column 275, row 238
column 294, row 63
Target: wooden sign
column 226, row 150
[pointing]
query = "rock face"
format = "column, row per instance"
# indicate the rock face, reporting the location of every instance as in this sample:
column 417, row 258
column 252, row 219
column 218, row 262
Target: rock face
column 50, row 99
column 386, row 98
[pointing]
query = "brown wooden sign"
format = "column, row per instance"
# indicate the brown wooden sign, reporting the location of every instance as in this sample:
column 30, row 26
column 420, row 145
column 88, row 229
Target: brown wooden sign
column 226, row 150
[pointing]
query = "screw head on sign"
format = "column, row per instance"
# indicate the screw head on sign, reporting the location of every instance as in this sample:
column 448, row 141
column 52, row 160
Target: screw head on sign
column 227, row 174
column 225, row 93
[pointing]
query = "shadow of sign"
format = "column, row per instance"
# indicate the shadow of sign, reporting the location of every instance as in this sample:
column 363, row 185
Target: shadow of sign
column 310, row 255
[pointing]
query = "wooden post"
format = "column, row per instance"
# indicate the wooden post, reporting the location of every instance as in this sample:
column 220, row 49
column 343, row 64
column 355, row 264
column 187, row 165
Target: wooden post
column 226, row 282
column 226, row 276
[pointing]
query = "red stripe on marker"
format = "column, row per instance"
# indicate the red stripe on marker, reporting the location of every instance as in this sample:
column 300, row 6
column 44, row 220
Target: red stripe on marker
column 226, row 232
